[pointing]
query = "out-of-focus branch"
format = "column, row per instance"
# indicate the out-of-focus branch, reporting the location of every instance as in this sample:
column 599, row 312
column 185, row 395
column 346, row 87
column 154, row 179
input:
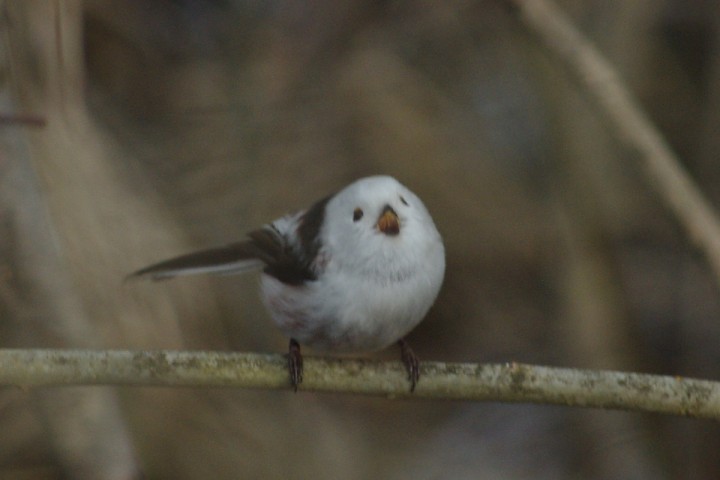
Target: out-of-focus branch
column 602, row 85
column 449, row 381
column 22, row 119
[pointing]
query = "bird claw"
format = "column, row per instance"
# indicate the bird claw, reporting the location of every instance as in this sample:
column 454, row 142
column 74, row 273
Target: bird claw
column 411, row 362
column 295, row 364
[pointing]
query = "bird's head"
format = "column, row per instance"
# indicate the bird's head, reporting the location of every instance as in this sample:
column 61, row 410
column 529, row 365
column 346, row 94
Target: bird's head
column 376, row 224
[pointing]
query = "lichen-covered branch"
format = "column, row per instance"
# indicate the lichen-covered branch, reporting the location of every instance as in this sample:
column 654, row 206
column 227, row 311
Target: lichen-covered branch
column 600, row 82
column 448, row 381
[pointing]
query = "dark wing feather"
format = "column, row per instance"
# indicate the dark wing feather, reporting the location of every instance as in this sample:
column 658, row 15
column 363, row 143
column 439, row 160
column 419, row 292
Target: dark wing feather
column 291, row 262
column 295, row 262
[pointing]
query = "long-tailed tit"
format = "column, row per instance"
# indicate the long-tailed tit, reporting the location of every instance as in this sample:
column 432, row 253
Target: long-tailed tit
column 355, row 272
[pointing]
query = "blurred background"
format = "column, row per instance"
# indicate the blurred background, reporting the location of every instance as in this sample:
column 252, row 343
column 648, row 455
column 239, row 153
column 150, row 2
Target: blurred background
column 153, row 127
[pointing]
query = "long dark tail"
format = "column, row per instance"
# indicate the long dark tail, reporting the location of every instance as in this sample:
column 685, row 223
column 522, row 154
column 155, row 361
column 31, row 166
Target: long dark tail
column 228, row 260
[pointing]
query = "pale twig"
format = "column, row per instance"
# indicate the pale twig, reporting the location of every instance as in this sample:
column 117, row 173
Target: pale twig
column 626, row 119
column 449, row 381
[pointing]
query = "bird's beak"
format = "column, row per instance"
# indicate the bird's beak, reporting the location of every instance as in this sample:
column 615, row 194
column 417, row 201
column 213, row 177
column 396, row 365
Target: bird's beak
column 388, row 223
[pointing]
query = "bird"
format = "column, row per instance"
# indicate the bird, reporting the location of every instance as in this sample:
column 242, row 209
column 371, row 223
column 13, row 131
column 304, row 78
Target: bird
column 353, row 273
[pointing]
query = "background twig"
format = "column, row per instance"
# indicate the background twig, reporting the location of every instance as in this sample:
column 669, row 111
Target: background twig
column 453, row 381
column 603, row 86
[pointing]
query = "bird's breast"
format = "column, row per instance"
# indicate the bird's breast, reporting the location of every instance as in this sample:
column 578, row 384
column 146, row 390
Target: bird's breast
column 345, row 312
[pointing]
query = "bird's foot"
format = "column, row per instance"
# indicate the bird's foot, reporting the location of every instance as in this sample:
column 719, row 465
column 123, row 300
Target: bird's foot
column 411, row 362
column 295, row 364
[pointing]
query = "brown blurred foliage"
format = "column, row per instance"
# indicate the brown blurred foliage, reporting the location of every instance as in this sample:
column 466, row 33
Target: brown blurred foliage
column 177, row 125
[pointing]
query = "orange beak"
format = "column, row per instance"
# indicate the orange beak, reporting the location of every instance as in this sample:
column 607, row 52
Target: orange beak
column 389, row 223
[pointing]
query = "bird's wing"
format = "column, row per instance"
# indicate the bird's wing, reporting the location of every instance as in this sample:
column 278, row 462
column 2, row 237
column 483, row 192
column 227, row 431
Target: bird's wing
column 285, row 249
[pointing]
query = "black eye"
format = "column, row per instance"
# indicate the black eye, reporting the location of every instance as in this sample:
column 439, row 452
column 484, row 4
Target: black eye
column 404, row 202
column 357, row 214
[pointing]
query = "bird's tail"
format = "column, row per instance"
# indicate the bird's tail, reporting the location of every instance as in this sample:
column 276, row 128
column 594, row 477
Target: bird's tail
column 228, row 260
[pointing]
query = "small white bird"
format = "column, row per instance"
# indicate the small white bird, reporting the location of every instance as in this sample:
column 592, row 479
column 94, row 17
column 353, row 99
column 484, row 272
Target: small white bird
column 355, row 272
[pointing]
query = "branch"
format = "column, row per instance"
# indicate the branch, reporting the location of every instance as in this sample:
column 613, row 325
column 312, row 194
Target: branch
column 602, row 85
column 450, row 381
column 22, row 119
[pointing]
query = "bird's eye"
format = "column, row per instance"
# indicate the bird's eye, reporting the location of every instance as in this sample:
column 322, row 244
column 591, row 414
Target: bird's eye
column 404, row 202
column 357, row 214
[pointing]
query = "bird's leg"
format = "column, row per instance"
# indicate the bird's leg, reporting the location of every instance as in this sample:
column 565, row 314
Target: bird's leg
column 295, row 364
column 411, row 362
